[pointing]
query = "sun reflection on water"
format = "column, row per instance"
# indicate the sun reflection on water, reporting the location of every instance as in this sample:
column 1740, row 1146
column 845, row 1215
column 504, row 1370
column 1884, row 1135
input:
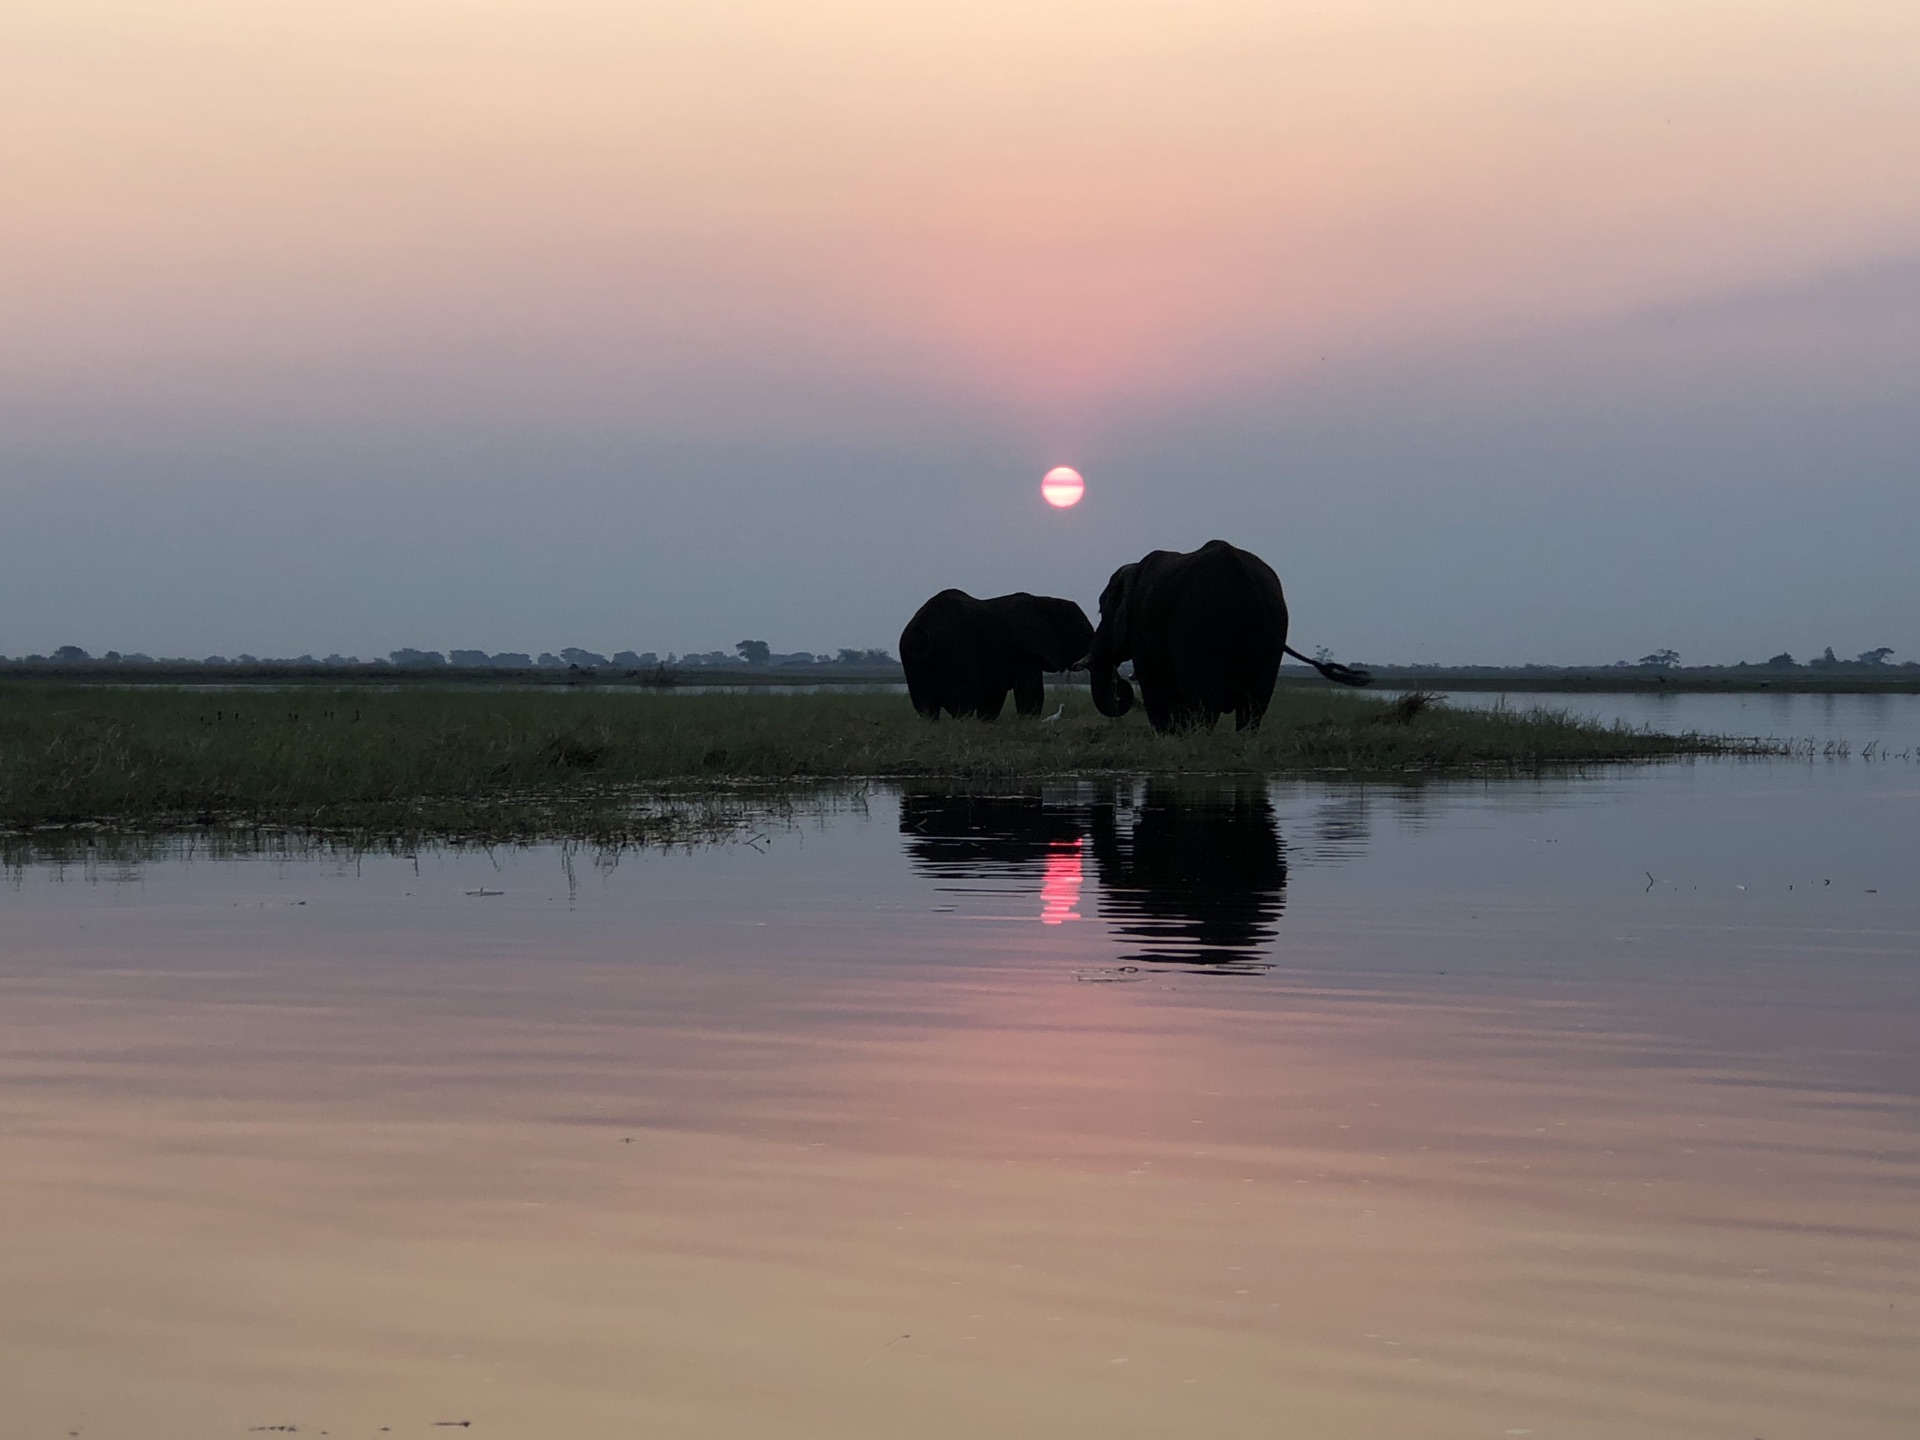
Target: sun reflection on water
column 1060, row 889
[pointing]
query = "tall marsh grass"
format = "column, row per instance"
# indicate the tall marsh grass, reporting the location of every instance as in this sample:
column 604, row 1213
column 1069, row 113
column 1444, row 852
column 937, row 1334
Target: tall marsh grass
column 512, row 764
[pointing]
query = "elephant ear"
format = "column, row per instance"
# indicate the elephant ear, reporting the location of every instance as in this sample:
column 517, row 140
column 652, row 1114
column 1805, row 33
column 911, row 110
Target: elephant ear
column 1055, row 632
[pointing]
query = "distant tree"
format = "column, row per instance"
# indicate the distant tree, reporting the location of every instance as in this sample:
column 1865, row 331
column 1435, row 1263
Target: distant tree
column 511, row 660
column 634, row 661
column 550, row 661
column 469, row 659
column 1875, row 657
column 1783, row 659
column 755, row 652
column 1826, row 661
column 70, row 655
column 574, row 655
column 408, row 659
column 1661, row 659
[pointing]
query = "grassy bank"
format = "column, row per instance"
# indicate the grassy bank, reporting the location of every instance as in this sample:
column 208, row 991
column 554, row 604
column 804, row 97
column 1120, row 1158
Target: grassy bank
column 645, row 766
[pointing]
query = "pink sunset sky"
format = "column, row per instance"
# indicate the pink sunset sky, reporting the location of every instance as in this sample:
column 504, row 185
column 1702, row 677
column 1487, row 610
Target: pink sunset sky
column 1582, row 329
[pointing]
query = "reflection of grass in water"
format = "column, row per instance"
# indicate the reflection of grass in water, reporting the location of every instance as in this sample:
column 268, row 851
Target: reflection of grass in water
column 116, row 850
column 647, row 767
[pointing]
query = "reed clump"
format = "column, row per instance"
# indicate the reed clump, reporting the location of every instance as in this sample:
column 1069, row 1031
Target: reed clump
column 519, row 764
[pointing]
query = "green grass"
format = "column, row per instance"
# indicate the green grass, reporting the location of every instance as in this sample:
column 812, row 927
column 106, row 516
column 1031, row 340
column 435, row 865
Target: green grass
column 611, row 767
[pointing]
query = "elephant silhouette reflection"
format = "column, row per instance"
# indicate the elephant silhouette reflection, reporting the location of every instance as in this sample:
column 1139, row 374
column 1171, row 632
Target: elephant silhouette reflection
column 1190, row 879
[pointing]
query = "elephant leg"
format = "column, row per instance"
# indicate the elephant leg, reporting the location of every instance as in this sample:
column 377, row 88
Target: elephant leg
column 1156, row 698
column 992, row 702
column 924, row 695
column 1250, row 713
column 969, row 689
column 1259, row 695
column 944, row 699
column 1029, row 691
column 1184, row 710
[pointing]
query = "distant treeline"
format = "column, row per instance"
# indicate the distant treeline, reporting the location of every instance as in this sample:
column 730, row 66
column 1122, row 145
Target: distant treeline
column 753, row 663
column 1874, row 662
column 1870, row 671
column 1876, row 659
column 748, row 654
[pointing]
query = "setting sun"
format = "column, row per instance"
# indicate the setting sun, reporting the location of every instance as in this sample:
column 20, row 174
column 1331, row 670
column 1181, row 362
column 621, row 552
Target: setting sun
column 1062, row 487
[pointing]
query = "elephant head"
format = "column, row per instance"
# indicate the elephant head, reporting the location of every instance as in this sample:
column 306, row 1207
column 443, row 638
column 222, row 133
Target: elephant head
column 1054, row 632
column 1113, row 643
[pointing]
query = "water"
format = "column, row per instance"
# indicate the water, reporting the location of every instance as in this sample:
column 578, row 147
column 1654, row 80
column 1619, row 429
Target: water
column 1575, row 1107
column 1889, row 721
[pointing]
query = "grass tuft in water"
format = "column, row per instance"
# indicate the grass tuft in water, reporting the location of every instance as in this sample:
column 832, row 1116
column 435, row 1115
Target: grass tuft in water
column 644, row 767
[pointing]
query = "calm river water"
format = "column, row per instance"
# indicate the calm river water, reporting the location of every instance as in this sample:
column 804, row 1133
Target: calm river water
column 1584, row 1107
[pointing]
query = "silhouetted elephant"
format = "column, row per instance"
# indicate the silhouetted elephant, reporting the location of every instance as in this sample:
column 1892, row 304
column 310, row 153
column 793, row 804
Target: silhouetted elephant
column 1196, row 879
column 1205, row 630
column 962, row 655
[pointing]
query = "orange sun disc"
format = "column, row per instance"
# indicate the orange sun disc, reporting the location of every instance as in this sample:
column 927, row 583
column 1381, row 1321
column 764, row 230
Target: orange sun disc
column 1062, row 486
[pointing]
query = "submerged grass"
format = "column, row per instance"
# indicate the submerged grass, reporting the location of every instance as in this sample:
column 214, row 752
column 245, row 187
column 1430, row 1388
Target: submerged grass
column 639, row 767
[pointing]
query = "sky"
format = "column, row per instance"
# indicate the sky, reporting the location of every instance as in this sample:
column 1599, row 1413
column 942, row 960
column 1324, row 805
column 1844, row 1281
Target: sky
column 1506, row 331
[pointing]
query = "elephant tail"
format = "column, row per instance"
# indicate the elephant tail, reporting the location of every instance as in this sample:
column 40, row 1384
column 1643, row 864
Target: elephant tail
column 1341, row 674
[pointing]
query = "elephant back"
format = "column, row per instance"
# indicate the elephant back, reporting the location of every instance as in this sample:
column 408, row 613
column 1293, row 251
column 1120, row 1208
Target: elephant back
column 1219, row 599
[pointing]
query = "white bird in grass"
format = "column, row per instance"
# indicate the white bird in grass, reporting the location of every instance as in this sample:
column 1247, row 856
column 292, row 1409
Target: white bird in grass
column 1049, row 719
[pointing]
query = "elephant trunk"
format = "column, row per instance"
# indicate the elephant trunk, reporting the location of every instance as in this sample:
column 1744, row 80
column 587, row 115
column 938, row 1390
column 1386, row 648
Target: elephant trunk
column 1112, row 695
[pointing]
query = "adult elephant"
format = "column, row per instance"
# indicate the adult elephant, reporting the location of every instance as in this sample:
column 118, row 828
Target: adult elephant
column 962, row 655
column 1205, row 630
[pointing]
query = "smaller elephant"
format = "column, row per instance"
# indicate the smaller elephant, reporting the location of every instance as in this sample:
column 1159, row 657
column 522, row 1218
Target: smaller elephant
column 962, row 655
